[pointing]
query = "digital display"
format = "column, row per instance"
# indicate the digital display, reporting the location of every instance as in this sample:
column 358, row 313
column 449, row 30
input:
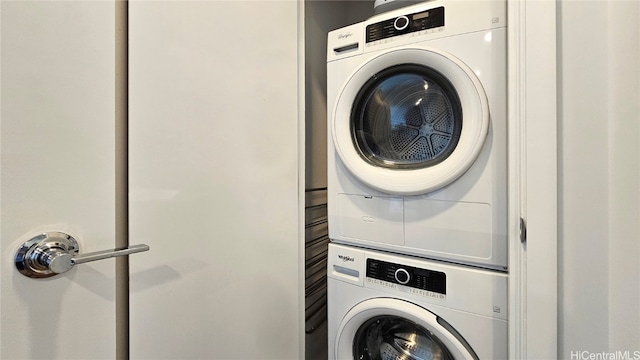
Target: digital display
column 421, row 15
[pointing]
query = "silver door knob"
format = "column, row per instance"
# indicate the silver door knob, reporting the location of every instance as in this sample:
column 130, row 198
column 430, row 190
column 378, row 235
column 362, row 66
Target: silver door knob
column 54, row 253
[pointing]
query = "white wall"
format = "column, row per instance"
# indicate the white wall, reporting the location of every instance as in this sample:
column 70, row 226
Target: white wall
column 599, row 176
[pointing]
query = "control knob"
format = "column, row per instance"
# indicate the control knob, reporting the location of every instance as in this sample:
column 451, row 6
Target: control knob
column 402, row 276
column 401, row 23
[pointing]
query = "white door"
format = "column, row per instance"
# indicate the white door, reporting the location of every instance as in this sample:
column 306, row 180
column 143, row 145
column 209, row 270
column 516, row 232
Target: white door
column 214, row 178
column 57, row 174
column 214, row 184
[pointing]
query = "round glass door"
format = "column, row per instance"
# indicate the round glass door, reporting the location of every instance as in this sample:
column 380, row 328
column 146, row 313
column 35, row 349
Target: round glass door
column 391, row 338
column 406, row 117
column 384, row 328
column 410, row 121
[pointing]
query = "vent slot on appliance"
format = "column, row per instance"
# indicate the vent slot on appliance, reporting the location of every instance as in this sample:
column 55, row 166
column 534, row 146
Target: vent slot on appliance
column 346, row 48
column 316, row 248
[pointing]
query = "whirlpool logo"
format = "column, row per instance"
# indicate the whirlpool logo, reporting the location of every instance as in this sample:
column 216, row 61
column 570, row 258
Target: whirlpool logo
column 346, row 258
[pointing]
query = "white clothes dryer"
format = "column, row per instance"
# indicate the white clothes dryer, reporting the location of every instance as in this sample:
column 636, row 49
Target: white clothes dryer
column 386, row 306
column 417, row 148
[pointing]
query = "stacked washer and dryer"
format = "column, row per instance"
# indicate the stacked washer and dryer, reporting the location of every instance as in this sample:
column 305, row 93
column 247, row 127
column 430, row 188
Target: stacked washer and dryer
column 417, row 183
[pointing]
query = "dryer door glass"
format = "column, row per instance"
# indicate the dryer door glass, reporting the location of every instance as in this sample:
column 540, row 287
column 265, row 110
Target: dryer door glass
column 406, row 117
column 391, row 337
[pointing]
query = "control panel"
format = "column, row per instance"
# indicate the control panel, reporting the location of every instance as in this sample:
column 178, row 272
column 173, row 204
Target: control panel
column 422, row 279
column 406, row 24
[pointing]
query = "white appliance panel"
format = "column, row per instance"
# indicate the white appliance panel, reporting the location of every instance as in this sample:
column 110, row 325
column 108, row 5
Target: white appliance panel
column 436, row 225
column 371, row 218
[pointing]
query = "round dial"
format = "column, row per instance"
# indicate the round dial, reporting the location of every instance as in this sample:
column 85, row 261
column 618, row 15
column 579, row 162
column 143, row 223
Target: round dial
column 401, row 23
column 402, row 276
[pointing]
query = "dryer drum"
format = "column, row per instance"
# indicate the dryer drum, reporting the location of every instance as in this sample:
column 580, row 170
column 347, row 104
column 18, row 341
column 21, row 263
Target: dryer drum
column 406, row 117
column 394, row 338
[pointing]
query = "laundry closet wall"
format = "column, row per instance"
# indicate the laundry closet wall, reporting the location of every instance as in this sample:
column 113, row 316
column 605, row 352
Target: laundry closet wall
column 599, row 177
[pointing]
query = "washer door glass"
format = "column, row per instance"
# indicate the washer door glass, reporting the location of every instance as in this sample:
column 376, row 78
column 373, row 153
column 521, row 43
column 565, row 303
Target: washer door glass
column 391, row 337
column 406, row 117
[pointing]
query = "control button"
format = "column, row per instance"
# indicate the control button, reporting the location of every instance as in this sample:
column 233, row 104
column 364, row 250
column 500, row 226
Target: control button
column 402, row 276
column 401, row 23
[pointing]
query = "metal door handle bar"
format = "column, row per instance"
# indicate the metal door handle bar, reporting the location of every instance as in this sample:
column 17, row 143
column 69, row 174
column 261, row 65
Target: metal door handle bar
column 54, row 253
column 105, row 254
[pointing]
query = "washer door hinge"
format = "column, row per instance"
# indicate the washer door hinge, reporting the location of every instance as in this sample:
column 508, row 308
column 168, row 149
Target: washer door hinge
column 523, row 231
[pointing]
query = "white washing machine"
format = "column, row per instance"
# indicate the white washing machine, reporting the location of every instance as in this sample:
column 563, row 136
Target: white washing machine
column 417, row 160
column 385, row 306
